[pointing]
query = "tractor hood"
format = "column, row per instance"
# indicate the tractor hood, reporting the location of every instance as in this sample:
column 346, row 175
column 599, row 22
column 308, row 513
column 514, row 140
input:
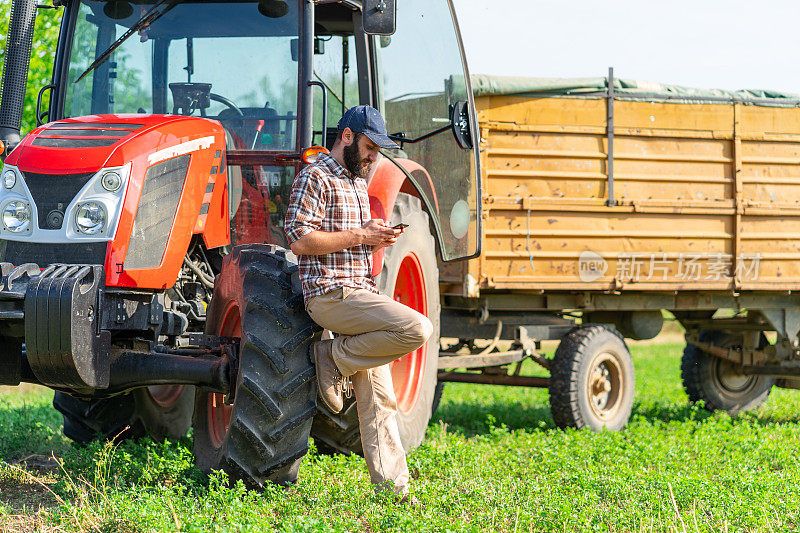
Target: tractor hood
column 87, row 144
column 73, row 190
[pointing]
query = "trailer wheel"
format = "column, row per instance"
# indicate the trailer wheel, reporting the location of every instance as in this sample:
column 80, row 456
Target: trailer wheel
column 410, row 274
column 717, row 381
column 592, row 380
column 126, row 416
column 263, row 436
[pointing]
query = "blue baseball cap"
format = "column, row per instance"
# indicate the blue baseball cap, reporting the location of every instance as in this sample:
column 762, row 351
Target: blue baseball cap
column 367, row 120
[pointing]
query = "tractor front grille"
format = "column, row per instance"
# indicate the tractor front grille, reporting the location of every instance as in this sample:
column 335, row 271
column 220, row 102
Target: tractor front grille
column 54, row 193
column 161, row 193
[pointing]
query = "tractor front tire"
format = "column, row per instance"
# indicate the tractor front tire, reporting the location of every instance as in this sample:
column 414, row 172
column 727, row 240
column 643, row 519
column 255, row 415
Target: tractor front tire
column 592, row 380
column 411, row 276
column 263, row 436
column 165, row 411
column 142, row 412
column 717, row 382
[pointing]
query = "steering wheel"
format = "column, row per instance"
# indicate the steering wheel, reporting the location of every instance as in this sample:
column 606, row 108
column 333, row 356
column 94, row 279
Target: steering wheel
column 227, row 102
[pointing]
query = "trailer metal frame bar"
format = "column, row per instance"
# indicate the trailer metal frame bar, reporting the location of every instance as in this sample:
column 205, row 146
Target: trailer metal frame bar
column 494, row 379
column 610, row 137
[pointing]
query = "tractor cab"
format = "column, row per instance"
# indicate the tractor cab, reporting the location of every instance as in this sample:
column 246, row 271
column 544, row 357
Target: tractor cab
column 278, row 75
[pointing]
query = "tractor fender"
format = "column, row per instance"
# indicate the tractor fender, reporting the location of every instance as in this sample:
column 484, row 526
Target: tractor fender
column 394, row 175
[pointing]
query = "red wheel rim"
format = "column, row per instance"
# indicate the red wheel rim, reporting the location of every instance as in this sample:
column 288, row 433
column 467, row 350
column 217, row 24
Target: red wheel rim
column 219, row 414
column 165, row 395
column 408, row 372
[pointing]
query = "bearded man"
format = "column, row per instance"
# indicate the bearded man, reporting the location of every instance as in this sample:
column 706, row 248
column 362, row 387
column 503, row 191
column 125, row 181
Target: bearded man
column 329, row 228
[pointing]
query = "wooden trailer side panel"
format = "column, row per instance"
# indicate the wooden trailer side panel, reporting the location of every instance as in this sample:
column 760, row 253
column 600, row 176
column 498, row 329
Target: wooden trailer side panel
column 707, row 197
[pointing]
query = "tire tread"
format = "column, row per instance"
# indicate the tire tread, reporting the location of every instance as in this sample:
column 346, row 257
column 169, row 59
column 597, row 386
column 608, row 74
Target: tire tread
column 273, row 407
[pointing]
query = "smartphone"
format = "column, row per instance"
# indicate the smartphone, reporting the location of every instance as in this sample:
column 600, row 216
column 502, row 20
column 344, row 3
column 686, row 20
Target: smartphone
column 400, row 226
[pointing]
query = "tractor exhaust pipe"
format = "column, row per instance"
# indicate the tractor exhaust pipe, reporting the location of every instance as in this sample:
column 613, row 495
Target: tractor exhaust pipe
column 15, row 72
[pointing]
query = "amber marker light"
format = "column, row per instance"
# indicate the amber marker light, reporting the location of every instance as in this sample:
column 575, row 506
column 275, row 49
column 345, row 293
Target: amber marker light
column 310, row 155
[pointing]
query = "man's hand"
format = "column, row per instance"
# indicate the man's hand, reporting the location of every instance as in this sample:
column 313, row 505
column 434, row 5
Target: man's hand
column 377, row 233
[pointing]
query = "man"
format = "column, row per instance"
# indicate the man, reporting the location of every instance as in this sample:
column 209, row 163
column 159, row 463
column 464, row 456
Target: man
column 329, row 228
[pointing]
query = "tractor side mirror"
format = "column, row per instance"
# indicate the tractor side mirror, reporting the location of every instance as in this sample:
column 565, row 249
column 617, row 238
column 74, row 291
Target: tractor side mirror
column 379, row 17
column 459, row 121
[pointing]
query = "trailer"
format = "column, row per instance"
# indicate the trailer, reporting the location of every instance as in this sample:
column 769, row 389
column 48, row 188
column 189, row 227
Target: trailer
column 608, row 201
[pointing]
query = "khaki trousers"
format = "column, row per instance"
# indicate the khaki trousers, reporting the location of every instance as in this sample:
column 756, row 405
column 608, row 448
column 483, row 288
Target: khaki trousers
column 374, row 330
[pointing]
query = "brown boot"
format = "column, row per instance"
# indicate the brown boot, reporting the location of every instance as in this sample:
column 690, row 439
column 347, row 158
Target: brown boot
column 329, row 379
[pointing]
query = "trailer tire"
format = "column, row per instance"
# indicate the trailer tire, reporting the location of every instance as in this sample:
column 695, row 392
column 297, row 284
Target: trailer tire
column 413, row 256
column 715, row 381
column 592, row 380
column 263, row 436
column 126, row 416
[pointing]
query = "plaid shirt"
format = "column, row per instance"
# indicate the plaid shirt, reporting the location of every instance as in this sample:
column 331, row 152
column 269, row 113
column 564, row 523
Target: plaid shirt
column 327, row 197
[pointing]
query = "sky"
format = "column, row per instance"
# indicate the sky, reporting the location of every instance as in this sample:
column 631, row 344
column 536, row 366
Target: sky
column 726, row 44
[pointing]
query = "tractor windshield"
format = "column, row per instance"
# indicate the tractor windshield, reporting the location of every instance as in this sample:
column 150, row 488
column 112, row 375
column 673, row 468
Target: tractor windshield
column 221, row 60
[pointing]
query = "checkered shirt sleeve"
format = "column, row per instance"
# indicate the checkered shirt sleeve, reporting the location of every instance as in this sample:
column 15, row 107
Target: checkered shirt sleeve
column 306, row 205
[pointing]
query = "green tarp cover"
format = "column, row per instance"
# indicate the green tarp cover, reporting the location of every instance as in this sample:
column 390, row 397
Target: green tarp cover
column 625, row 89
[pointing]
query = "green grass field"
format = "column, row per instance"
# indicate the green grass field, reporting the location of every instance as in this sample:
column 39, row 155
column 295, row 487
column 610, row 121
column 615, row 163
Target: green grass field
column 492, row 461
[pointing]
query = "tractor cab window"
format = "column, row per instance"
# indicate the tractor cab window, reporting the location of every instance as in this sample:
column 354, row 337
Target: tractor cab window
column 221, row 60
column 422, row 78
column 335, row 67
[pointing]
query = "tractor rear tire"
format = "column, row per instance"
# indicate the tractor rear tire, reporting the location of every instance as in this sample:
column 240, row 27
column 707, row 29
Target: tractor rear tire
column 126, row 416
column 716, row 382
column 437, row 398
column 263, row 436
column 337, row 432
column 592, row 380
column 415, row 374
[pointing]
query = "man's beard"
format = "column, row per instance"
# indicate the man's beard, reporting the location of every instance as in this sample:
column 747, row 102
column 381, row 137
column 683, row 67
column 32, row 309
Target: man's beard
column 353, row 162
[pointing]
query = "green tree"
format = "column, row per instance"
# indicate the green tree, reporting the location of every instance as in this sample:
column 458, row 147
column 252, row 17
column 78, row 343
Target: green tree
column 40, row 71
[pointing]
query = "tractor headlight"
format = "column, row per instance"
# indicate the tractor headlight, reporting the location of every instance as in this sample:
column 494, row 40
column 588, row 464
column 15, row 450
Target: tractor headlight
column 111, row 181
column 9, row 179
column 17, row 216
column 90, row 217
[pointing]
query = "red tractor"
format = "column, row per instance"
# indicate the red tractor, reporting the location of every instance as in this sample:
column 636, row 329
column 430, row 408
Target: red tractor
column 143, row 274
